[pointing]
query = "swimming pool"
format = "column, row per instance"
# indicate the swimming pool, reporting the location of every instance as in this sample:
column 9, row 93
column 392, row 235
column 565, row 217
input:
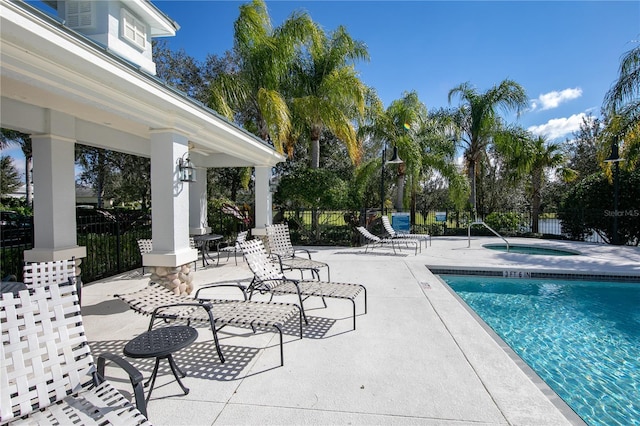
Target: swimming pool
column 581, row 337
column 531, row 249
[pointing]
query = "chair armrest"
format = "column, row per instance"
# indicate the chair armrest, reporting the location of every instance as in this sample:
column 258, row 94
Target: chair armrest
column 135, row 377
column 241, row 287
column 303, row 250
column 223, row 244
column 263, row 285
column 277, row 256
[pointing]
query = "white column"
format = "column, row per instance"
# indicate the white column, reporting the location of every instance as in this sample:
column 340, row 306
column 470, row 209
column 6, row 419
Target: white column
column 198, row 212
column 54, row 204
column 169, row 201
column 264, row 208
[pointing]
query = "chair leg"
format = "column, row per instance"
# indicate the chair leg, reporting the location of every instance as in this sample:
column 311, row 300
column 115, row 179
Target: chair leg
column 215, row 336
column 304, row 314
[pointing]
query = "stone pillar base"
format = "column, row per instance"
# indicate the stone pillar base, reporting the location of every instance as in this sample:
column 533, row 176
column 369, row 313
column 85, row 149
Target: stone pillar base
column 178, row 279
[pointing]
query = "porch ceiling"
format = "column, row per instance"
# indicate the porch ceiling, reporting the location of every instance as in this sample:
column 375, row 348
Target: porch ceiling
column 46, row 66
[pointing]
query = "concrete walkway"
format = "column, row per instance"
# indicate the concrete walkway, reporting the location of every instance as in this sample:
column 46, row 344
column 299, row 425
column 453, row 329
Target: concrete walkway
column 417, row 357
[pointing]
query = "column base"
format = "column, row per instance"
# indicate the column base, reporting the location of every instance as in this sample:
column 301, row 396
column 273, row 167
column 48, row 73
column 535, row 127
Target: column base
column 178, row 279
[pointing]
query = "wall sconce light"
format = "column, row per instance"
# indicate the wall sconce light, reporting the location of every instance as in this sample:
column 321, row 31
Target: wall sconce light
column 273, row 184
column 186, row 169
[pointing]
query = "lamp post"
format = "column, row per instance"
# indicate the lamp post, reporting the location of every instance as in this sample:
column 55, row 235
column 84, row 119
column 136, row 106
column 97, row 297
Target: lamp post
column 395, row 159
column 615, row 158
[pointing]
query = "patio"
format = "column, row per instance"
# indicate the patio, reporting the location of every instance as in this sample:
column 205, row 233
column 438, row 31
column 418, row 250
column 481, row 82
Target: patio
column 417, row 357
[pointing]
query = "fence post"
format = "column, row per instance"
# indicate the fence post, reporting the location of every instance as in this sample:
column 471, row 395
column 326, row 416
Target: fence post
column 118, row 245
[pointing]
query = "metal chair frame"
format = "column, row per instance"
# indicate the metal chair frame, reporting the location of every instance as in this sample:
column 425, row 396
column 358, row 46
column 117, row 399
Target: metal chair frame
column 280, row 247
column 47, row 372
column 269, row 278
column 395, row 234
column 235, row 248
column 162, row 304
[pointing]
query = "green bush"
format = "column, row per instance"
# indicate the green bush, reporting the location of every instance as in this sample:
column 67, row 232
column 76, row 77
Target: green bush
column 589, row 207
column 508, row 223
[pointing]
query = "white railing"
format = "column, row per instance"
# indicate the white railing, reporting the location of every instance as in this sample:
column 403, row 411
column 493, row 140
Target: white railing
column 479, row 222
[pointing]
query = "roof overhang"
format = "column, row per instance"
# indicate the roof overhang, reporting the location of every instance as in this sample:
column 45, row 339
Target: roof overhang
column 46, row 66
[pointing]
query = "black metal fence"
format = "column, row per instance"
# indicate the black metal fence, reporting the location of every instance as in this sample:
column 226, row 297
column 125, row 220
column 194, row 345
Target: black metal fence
column 335, row 227
column 110, row 236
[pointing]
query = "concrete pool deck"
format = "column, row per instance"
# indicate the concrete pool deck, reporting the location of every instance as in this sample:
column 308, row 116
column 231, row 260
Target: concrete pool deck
column 417, row 357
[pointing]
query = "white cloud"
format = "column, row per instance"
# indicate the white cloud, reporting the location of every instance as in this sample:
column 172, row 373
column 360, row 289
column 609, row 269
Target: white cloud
column 554, row 99
column 559, row 127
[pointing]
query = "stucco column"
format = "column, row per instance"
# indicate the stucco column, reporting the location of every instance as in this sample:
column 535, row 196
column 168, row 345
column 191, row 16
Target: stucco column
column 54, row 204
column 264, row 208
column 171, row 254
column 198, row 212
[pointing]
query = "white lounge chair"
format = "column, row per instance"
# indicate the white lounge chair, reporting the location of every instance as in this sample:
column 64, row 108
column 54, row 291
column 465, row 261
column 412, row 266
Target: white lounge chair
column 395, row 234
column 269, row 278
column 232, row 248
column 373, row 240
column 279, row 241
column 47, row 370
column 163, row 304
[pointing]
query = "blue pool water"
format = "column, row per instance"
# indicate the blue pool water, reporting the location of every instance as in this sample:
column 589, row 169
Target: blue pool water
column 531, row 249
column 581, row 337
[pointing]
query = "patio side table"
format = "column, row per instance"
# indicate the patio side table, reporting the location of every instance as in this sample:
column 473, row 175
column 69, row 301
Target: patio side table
column 203, row 244
column 162, row 343
column 12, row 287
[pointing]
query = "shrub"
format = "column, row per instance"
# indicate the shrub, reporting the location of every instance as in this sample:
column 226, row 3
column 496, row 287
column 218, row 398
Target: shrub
column 505, row 222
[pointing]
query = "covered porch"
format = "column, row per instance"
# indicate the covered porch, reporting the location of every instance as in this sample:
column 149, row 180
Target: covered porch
column 62, row 88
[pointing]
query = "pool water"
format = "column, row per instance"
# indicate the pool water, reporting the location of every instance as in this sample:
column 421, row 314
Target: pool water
column 581, row 337
column 534, row 250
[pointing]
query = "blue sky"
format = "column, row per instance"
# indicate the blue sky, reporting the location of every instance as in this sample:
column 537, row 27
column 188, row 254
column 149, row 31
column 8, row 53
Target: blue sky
column 565, row 54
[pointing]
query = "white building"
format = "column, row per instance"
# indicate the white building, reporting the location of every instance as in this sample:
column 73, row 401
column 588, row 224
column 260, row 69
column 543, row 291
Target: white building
column 87, row 76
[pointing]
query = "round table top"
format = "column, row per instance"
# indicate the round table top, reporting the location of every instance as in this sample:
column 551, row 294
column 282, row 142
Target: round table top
column 207, row 237
column 161, row 341
column 12, row 287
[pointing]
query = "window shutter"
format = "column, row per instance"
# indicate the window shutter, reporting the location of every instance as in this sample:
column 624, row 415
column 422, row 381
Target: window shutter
column 134, row 30
column 80, row 14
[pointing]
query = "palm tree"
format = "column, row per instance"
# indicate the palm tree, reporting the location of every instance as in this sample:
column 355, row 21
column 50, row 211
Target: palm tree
column 437, row 141
column 9, row 137
column 266, row 54
column 327, row 92
column 396, row 127
column 406, row 116
column 532, row 156
column 622, row 107
column 478, row 120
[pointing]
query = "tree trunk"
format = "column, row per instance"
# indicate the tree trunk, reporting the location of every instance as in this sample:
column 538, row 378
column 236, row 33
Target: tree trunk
column 399, row 204
column 472, row 181
column 28, row 165
column 536, row 183
column 315, row 153
column 315, row 164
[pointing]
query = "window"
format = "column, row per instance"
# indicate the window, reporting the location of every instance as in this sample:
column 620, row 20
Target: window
column 134, row 30
column 80, row 14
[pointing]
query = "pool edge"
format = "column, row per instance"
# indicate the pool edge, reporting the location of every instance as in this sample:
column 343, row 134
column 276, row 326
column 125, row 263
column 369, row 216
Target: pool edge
column 546, row 390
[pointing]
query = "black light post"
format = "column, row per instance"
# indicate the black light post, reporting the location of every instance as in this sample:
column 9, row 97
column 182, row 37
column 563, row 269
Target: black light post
column 395, row 159
column 615, row 158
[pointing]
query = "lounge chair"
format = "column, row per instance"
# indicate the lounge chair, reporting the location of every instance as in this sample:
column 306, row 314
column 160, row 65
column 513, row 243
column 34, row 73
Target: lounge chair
column 47, row 372
column 163, row 304
column 59, row 272
column 373, row 241
column 269, row 278
column 145, row 245
column 280, row 247
column 235, row 248
column 395, row 234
